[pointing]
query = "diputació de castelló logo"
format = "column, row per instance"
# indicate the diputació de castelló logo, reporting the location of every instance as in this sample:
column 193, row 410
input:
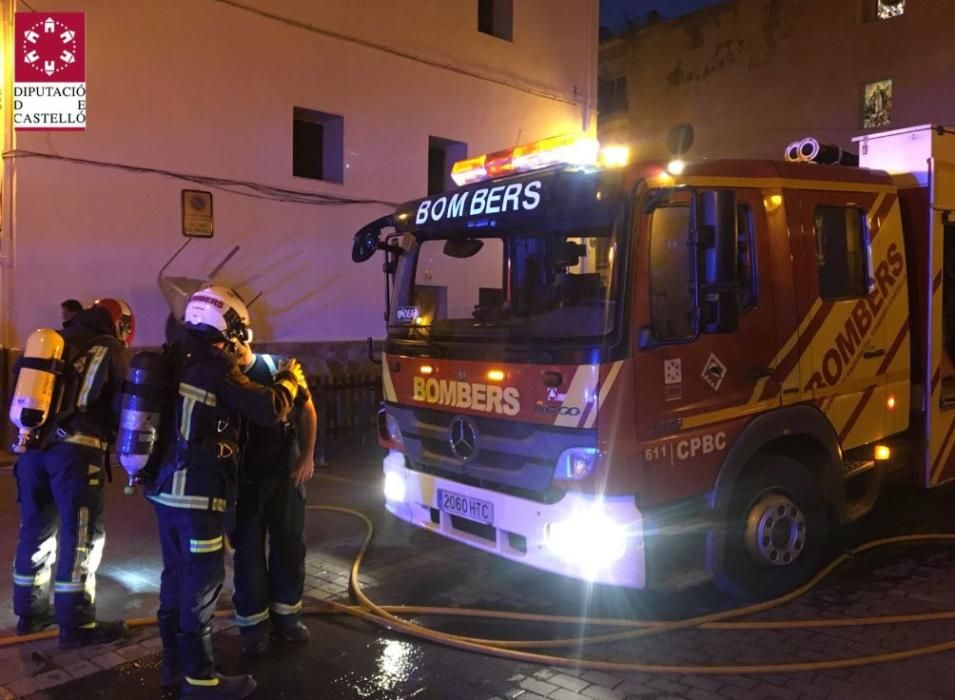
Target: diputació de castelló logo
column 49, row 91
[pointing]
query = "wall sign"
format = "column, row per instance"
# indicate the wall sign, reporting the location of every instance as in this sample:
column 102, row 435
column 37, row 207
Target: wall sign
column 197, row 214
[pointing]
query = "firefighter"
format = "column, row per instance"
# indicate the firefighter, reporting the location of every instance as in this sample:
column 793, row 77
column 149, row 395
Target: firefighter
column 194, row 491
column 61, row 478
column 276, row 463
column 69, row 309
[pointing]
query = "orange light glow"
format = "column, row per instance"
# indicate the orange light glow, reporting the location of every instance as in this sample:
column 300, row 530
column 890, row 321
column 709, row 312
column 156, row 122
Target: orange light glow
column 773, row 202
column 615, row 156
column 495, row 375
column 464, row 172
column 882, row 452
column 574, row 149
column 426, row 369
column 890, row 403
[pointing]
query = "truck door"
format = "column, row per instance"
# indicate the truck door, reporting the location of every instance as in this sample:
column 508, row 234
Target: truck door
column 694, row 393
column 854, row 279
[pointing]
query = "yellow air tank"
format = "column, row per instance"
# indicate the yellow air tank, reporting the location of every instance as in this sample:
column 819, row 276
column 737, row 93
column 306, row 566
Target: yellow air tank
column 33, row 396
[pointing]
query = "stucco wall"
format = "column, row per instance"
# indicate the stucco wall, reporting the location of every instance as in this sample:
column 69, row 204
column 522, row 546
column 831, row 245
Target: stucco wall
column 753, row 75
column 200, row 86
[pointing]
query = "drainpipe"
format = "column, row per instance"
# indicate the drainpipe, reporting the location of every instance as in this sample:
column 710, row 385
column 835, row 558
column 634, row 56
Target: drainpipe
column 588, row 109
column 7, row 195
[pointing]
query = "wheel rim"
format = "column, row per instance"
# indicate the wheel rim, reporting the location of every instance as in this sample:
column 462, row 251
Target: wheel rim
column 775, row 530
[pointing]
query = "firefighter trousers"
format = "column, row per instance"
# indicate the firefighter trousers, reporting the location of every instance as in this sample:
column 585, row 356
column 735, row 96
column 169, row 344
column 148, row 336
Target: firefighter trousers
column 272, row 508
column 59, row 489
column 193, row 565
column 193, row 570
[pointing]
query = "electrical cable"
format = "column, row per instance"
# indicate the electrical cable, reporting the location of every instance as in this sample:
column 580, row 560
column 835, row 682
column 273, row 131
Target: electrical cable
column 245, row 188
column 387, row 616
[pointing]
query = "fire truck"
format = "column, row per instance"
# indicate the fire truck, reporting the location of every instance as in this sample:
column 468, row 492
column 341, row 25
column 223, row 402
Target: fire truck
column 653, row 375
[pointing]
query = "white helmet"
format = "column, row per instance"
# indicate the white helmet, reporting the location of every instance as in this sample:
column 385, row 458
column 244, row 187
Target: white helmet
column 219, row 309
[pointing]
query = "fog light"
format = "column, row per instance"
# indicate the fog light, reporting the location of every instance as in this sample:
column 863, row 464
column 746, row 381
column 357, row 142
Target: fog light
column 576, row 463
column 588, row 539
column 394, row 487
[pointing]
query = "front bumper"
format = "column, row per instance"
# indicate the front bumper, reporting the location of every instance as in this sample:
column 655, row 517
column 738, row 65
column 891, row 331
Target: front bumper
column 520, row 525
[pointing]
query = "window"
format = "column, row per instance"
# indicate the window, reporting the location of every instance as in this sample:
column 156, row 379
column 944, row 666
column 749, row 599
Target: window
column 883, row 9
column 841, row 252
column 496, row 17
column 612, row 96
column 442, row 155
column 877, row 104
column 671, row 306
column 746, row 255
column 317, row 145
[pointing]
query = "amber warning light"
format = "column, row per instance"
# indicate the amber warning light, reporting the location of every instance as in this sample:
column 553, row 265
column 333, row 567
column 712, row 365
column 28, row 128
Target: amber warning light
column 577, row 149
column 495, row 375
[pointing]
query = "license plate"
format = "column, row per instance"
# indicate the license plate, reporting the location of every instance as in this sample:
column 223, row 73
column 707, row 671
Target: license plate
column 471, row 508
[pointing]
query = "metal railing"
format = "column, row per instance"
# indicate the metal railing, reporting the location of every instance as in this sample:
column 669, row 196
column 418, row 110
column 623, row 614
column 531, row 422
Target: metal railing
column 347, row 407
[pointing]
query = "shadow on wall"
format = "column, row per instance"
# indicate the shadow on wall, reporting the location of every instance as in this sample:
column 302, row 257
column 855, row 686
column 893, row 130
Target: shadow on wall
column 278, row 299
column 293, row 288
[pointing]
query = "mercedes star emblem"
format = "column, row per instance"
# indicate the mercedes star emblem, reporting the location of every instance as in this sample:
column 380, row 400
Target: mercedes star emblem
column 463, row 438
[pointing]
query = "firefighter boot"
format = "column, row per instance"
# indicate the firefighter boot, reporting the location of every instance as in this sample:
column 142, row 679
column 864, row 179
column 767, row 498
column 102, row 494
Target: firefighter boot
column 255, row 639
column 100, row 632
column 202, row 680
column 290, row 628
column 35, row 623
column 171, row 675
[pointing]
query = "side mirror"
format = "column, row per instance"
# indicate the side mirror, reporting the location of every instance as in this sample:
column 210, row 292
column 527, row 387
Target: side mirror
column 366, row 240
column 717, row 237
column 365, row 245
column 718, row 261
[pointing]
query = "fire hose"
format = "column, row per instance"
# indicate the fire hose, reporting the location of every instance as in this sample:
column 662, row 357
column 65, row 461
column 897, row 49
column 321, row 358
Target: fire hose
column 390, row 618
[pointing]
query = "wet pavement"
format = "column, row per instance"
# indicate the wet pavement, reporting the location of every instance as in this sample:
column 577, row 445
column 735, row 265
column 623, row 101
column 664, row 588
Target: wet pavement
column 349, row 658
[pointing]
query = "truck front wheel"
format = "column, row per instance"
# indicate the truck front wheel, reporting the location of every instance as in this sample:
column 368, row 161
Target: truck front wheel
column 776, row 530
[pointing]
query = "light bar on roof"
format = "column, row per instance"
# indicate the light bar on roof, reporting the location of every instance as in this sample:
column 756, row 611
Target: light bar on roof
column 464, row 172
column 571, row 150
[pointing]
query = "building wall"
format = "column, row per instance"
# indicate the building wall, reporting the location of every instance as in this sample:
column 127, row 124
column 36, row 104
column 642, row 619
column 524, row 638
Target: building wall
column 207, row 87
column 753, row 75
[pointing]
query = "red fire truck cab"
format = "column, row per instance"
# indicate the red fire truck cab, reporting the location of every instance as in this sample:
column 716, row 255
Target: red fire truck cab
column 651, row 376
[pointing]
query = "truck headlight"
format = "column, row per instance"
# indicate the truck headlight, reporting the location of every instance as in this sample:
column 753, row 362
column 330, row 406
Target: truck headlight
column 389, row 431
column 394, row 487
column 589, row 539
column 576, row 463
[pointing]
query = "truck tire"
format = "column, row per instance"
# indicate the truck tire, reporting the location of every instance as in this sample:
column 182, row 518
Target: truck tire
column 776, row 530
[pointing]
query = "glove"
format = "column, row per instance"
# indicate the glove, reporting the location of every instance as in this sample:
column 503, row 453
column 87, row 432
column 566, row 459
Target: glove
column 292, row 365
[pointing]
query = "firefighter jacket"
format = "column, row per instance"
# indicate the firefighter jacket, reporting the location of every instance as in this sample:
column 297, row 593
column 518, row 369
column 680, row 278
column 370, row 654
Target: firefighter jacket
column 271, row 450
column 199, row 465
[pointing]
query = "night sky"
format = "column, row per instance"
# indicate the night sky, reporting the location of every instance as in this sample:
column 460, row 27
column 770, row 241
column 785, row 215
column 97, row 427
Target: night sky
column 613, row 13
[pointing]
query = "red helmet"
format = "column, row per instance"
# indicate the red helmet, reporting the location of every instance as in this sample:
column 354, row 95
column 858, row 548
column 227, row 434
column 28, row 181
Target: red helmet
column 123, row 319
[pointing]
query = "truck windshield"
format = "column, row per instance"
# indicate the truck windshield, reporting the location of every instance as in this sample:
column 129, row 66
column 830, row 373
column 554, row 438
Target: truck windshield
column 555, row 281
